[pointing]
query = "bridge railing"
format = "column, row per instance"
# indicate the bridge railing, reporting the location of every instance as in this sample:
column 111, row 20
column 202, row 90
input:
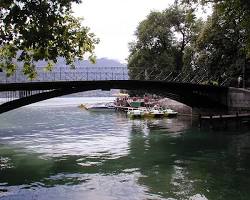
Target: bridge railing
column 65, row 74
column 105, row 73
column 60, row 74
column 115, row 73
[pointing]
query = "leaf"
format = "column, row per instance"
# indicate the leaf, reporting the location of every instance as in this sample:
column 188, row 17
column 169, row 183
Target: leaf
column 42, row 30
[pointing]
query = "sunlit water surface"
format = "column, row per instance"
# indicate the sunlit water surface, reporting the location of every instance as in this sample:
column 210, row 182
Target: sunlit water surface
column 54, row 150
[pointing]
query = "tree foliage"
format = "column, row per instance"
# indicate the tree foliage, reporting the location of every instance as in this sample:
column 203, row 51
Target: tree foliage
column 219, row 46
column 186, row 27
column 163, row 41
column 223, row 44
column 36, row 30
column 153, row 48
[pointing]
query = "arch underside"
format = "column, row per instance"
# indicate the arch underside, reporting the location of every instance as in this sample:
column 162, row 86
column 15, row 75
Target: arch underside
column 193, row 95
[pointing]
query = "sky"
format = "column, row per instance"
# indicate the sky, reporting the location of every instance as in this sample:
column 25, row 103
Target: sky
column 114, row 22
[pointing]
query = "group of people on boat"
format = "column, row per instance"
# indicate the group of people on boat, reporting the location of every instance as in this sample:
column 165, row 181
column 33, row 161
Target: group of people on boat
column 126, row 101
column 135, row 107
column 143, row 107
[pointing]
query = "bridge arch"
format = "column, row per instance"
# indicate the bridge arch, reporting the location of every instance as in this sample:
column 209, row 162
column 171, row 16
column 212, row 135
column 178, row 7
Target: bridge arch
column 193, row 95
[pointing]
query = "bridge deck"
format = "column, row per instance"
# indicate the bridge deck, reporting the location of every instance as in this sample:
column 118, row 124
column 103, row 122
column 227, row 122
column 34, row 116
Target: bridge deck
column 194, row 95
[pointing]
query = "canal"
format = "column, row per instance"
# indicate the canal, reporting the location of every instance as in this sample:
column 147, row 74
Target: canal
column 54, row 150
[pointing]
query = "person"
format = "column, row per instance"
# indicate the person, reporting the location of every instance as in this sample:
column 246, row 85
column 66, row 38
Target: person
column 239, row 81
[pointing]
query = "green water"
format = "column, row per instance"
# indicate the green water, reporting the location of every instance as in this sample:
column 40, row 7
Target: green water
column 62, row 152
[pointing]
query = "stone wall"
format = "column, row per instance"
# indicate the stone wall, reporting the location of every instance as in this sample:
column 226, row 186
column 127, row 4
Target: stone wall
column 238, row 100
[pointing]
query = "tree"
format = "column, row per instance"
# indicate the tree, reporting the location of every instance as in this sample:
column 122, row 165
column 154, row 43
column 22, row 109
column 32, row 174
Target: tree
column 185, row 27
column 222, row 46
column 164, row 42
column 153, row 48
column 35, row 30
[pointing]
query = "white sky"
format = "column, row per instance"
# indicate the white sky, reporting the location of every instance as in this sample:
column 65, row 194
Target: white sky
column 114, row 22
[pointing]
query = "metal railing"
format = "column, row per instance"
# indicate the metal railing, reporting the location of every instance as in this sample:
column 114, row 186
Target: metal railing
column 66, row 74
column 105, row 73
column 114, row 73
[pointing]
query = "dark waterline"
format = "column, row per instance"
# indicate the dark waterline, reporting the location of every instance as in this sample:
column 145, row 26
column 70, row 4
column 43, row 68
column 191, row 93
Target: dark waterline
column 63, row 152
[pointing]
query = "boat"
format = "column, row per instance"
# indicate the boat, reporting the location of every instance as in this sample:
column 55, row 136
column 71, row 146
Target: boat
column 156, row 113
column 135, row 103
column 145, row 110
column 101, row 107
column 135, row 113
column 169, row 112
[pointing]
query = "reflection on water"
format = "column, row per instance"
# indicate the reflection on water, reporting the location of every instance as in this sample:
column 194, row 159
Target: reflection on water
column 51, row 152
